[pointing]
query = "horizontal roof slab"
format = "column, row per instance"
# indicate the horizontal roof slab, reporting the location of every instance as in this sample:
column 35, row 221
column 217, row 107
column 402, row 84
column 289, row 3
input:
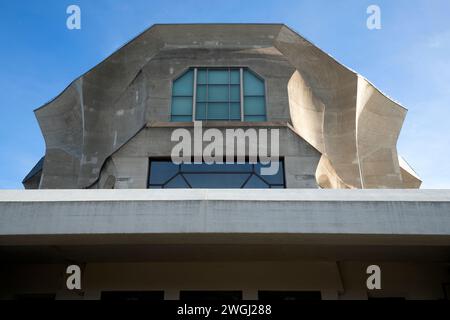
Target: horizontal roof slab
column 420, row 215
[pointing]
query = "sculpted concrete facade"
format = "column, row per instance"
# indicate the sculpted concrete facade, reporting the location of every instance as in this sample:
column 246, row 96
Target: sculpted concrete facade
column 336, row 131
column 347, row 128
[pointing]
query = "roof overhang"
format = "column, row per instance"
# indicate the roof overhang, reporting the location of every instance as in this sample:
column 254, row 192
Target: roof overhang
column 134, row 225
column 424, row 214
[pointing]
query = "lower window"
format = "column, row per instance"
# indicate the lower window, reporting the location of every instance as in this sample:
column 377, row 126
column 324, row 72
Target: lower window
column 211, row 295
column 132, row 295
column 166, row 175
column 289, row 295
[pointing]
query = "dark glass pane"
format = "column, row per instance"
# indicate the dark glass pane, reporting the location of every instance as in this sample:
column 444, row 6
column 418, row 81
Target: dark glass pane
column 235, row 111
column 217, row 76
column 217, row 168
column 201, row 93
column 177, row 183
column 162, row 171
column 218, row 111
column 215, row 181
column 184, row 85
column 254, row 118
column 200, row 112
column 181, row 118
column 218, row 93
column 254, row 106
column 253, row 85
column 256, row 183
column 201, row 76
column 235, row 76
column 277, row 178
column 181, row 106
column 235, row 93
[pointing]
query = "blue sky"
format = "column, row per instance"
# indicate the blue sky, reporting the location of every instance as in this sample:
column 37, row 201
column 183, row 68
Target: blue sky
column 408, row 59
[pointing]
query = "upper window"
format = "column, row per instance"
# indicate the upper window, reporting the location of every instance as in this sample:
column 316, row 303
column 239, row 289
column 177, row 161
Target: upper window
column 230, row 94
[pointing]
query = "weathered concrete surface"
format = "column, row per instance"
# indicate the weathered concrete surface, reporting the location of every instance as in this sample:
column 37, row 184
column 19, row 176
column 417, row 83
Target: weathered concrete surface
column 353, row 125
column 127, row 168
column 422, row 216
column 346, row 118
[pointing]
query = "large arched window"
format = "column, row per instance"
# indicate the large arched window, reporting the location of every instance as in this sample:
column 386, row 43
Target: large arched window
column 227, row 94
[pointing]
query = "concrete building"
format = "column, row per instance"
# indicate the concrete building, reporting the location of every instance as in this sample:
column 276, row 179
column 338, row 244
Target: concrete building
column 112, row 128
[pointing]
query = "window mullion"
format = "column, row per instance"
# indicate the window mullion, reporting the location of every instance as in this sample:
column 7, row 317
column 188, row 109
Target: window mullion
column 229, row 94
column 241, row 80
column 194, row 96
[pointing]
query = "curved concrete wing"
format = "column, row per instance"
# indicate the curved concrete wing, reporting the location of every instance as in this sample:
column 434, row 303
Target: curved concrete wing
column 95, row 115
column 378, row 124
column 345, row 117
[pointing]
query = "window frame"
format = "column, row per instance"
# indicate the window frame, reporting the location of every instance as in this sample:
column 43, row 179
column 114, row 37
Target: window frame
column 168, row 159
column 195, row 84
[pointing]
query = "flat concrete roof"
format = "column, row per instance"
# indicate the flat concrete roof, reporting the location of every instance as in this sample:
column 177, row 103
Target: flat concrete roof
column 339, row 195
column 418, row 214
